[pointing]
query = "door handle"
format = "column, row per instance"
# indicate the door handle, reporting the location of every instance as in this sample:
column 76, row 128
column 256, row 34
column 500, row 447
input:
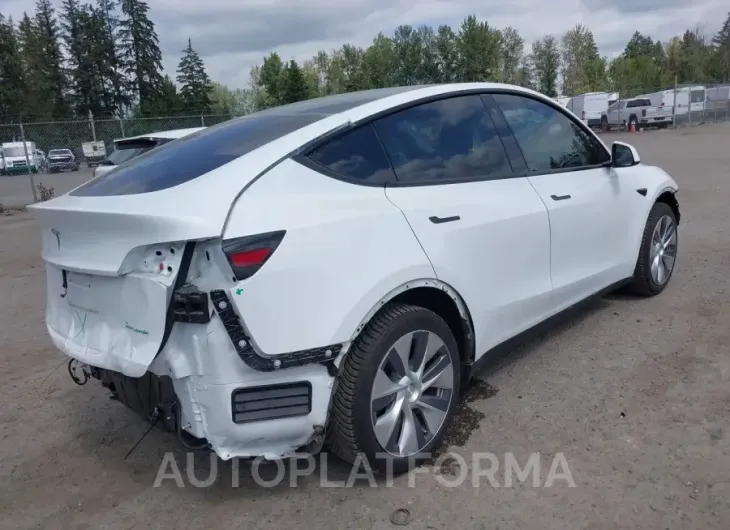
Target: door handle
column 438, row 220
column 559, row 197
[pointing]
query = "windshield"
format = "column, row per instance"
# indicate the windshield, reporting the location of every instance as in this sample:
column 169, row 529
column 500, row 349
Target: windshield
column 59, row 152
column 16, row 151
column 128, row 150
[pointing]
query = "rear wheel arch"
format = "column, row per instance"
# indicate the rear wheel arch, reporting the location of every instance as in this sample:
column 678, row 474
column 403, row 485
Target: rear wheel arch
column 436, row 296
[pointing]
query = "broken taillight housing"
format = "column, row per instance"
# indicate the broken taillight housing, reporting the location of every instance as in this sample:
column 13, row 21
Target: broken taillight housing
column 247, row 254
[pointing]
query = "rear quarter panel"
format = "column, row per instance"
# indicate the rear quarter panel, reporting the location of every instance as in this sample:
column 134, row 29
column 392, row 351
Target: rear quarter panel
column 346, row 247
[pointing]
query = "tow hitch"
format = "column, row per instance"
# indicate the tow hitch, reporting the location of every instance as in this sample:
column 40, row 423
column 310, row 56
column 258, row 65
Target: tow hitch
column 79, row 372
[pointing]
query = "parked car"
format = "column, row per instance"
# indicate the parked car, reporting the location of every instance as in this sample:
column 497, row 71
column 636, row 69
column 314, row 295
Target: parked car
column 62, row 160
column 336, row 269
column 128, row 148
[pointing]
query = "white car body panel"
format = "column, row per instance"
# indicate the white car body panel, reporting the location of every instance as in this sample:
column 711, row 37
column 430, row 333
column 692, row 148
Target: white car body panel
column 330, row 222
column 467, row 254
column 586, row 257
column 515, row 257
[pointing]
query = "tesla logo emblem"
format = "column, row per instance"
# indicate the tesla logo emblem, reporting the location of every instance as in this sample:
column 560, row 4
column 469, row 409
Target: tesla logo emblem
column 58, row 237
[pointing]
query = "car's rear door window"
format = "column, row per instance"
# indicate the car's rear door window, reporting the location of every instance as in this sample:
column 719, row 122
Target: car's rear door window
column 448, row 140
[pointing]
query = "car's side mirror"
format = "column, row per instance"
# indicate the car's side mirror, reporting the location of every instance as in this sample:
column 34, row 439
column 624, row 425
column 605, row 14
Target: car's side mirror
column 624, row 155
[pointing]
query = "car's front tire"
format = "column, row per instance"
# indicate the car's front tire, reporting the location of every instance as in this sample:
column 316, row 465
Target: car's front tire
column 658, row 253
column 397, row 389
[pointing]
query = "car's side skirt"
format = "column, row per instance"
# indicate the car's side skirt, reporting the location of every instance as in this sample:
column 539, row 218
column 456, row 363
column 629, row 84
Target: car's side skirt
column 504, row 348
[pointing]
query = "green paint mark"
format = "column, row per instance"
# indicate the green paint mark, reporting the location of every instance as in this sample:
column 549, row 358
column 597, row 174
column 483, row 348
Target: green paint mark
column 136, row 330
column 239, row 291
column 83, row 325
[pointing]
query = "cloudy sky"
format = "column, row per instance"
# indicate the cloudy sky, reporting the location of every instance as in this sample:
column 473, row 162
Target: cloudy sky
column 233, row 35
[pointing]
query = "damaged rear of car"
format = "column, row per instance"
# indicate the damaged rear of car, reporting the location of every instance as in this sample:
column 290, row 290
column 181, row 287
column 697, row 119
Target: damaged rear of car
column 168, row 280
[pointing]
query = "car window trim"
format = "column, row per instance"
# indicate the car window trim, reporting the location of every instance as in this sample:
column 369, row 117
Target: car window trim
column 401, row 184
column 572, row 118
column 302, row 154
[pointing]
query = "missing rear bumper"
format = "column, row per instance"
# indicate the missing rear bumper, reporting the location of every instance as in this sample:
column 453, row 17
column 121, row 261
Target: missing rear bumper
column 258, row 360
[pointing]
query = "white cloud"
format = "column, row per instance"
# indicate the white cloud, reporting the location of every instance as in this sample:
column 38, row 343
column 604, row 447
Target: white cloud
column 232, row 36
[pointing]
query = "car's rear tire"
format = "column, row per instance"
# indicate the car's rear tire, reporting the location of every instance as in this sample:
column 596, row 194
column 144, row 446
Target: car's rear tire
column 383, row 394
column 658, row 252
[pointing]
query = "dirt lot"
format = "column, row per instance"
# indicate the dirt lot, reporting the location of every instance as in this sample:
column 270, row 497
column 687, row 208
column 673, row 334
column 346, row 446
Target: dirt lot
column 634, row 393
column 16, row 191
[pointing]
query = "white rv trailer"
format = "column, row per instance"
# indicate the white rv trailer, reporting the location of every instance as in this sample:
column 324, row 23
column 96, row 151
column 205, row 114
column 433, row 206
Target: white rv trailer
column 688, row 98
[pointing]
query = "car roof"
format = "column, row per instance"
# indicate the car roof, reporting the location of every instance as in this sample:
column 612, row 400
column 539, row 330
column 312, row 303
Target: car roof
column 257, row 141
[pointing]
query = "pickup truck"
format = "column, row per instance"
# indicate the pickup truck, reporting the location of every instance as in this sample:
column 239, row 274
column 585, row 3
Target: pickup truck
column 637, row 111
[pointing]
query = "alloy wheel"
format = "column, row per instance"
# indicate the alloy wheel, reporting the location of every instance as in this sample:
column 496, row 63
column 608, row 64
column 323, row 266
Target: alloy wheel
column 663, row 250
column 412, row 393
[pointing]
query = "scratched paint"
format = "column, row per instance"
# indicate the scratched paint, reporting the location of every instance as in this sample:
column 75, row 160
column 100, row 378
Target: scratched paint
column 81, row 331
column 136, row 330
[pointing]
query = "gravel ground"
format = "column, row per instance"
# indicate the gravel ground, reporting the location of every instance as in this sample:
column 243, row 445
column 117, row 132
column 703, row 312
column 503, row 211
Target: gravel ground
column 16, row 191
column 634, row 394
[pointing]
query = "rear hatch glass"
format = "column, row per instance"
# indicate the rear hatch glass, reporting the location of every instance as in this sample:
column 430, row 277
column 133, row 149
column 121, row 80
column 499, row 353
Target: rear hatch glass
column 199, row 153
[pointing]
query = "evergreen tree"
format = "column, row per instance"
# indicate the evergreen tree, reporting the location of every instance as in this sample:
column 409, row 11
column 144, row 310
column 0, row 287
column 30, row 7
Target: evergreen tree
column 294, row 85
column 140, row 55
column 116, row 85
column 12, row 83
column 42, row 59
column 35, row 100
column 167, row 100
column 76, row 43
column 195, row 85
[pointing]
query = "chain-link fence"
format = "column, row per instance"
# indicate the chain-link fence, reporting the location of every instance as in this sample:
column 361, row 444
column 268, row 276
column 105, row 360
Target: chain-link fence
column 24, row 149
column 680, row 105
column 73, row 135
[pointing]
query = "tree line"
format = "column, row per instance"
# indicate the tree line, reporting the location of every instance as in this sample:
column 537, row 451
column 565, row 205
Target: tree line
column 104, row 58
column 101, row 58
column 569, row 64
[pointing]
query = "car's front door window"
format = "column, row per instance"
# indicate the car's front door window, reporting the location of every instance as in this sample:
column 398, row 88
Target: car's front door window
column 548, row 138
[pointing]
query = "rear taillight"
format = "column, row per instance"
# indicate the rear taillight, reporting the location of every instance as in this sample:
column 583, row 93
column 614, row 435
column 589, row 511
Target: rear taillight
column 246, row 255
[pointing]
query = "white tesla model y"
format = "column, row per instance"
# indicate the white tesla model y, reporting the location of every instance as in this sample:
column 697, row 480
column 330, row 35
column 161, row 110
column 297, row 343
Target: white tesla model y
column 333, row 269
